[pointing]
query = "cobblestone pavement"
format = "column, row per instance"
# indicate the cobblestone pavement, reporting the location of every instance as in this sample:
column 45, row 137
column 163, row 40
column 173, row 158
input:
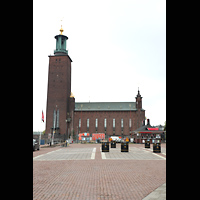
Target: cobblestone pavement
column 80, row 171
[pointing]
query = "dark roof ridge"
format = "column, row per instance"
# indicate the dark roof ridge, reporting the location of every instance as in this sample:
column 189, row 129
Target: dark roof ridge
column 108, row 102
column 143, row 128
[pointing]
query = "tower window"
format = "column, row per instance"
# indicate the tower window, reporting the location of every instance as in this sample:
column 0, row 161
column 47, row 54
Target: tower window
column 57, row 124
column 122, row 123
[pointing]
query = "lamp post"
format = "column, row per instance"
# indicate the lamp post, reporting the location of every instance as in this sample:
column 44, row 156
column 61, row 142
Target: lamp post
column 130, row 124
column 77, row 135
column 81, row 117
column 66, row 133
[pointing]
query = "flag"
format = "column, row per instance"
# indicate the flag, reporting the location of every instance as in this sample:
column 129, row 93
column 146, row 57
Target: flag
column 42, row 116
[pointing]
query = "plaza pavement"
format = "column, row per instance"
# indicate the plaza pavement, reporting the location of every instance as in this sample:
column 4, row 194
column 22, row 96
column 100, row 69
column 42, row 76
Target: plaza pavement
column 82, row 171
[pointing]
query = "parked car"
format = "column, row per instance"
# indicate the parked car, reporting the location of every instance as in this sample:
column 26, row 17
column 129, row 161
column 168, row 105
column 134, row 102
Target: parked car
column 36, row 145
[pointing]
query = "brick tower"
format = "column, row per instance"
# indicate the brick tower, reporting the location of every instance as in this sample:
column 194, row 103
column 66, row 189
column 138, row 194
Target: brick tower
column 59, row 89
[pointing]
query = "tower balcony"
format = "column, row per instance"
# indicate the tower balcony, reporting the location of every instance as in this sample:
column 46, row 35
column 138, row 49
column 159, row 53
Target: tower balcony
column 60, row 52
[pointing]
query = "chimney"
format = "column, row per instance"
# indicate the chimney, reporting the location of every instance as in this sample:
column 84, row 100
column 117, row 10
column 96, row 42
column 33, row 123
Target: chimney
column 148, row 122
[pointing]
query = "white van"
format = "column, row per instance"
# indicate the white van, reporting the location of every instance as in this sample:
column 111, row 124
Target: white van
column 131, row 139
column 116, row 138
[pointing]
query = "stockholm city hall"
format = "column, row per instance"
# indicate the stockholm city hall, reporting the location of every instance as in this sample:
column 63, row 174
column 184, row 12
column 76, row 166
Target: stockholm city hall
column 65, row 117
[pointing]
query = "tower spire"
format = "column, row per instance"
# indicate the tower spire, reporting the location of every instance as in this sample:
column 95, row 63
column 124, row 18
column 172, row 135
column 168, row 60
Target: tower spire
column 138, row 100
column 138, row 95
column 61, row 29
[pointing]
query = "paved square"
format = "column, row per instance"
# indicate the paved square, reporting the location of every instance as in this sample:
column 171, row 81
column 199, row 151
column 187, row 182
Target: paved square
column 81, row 172
column 68, row 154
column 133, row 154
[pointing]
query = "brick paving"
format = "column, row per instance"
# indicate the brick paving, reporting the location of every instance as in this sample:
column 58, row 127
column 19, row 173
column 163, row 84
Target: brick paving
column 135, row 153
column 67, row 154
column 44, row 150
column 79, row 172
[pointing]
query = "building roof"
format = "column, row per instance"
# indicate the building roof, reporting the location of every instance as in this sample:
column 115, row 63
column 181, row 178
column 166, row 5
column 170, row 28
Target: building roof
column 144, row 129
column 37, row 132
column 105, row 106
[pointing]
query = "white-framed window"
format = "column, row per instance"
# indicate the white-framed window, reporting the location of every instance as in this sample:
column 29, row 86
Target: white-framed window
column 113, row 123
column 79, row 123
column 57, row 123
column 122, row 123
column 88, row 123
column 105, row 123
column 96, row 123
column 54, row 118
column 130, row 123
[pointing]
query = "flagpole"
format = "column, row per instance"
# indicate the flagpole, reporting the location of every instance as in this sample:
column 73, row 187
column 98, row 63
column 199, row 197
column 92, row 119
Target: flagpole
column 40, row 136
column 41, row 123
column 40, row 130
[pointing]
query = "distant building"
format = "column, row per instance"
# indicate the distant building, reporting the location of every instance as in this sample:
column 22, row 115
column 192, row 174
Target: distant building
column 150, row 133
column 66, row 117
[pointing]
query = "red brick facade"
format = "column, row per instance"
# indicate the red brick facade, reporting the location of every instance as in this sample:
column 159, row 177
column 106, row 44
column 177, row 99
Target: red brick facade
column 136, row 121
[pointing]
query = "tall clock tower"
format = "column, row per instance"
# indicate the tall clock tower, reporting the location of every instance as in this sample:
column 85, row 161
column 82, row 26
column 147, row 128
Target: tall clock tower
column 59, row 89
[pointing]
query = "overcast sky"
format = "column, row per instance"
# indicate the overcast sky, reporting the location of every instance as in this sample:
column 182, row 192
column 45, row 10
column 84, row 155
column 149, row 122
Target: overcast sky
column 116, row 46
